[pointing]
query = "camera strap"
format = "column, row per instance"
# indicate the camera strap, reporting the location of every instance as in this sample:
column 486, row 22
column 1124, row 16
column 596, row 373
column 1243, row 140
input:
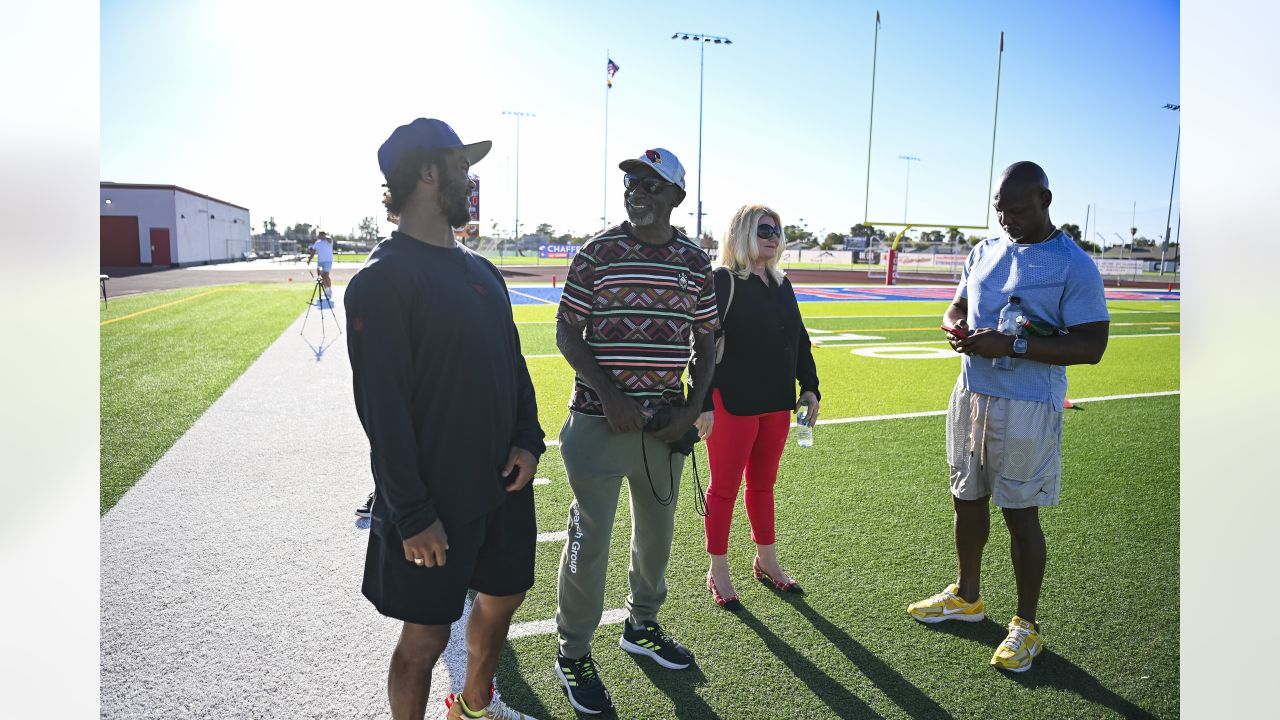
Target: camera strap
column 671, row 489
column 699, row 501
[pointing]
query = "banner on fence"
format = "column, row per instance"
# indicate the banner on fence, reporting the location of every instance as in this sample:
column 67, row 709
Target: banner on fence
column 558, row 252
column 1119, row 267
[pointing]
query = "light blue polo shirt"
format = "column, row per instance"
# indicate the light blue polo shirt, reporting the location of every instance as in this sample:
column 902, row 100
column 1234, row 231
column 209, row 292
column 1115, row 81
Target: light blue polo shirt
column 1058, row 284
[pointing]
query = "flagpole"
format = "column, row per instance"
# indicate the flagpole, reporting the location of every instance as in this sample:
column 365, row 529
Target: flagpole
column 604, row 210
column 992, row 170
column 875, row 49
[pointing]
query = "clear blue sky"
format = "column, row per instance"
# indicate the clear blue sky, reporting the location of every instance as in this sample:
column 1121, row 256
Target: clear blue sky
column 280, row 107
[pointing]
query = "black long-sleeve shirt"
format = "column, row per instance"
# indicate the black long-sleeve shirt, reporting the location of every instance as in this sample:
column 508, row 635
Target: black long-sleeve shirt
column 766, row 348
column 440, row 384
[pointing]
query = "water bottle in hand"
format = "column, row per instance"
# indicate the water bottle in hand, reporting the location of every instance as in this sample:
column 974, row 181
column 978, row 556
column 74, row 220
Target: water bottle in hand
column 804, row 433
column 1008, row 325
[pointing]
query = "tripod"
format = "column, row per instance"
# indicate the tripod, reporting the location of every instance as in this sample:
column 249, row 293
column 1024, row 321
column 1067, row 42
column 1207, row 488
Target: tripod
column 321, row 299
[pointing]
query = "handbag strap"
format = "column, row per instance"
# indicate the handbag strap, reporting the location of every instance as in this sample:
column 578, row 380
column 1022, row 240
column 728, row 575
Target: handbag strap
column 729, row 304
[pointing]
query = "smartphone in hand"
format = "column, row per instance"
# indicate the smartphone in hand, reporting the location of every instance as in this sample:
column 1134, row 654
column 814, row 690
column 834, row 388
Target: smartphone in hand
column 955, row 332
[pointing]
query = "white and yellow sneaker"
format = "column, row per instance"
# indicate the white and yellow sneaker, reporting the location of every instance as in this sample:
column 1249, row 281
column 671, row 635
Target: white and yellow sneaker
column 495, row 710
column 947, row 605
column 1020, row 647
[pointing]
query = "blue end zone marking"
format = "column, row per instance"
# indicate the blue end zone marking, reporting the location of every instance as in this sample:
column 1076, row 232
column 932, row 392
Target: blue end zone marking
column 534, row 295
column 544, row 295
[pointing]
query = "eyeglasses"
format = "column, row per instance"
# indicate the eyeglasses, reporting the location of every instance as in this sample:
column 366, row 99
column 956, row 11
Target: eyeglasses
column 651, row 185
column 764, row 232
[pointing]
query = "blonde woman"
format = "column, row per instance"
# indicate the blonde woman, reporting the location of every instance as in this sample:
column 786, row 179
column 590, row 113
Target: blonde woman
column 765, row 352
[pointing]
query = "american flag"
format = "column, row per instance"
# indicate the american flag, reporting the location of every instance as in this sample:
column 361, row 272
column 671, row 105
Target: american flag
column 610, row 70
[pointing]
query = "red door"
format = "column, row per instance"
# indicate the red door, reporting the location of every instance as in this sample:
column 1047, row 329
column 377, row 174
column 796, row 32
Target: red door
column 160, row 247
column 118, row 241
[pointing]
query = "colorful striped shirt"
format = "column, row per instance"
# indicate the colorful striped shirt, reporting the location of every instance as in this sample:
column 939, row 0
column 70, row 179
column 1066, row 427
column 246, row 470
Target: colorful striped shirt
column 641, row 305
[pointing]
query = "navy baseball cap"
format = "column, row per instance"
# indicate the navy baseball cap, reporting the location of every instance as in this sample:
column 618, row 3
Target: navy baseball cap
column 426, row 133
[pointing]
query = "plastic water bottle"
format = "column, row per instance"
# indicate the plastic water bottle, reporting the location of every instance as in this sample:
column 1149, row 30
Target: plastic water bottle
column 804, row 433
column 1008, row 325
column 1035, row 327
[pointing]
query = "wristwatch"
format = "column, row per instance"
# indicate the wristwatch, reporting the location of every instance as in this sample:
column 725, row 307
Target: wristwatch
column 1019, row 346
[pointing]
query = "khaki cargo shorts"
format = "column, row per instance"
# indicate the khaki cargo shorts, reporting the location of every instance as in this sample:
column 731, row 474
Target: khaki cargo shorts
column 1008, row 449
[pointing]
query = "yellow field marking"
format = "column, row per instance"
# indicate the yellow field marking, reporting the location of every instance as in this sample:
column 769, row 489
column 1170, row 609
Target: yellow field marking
column 157, row 307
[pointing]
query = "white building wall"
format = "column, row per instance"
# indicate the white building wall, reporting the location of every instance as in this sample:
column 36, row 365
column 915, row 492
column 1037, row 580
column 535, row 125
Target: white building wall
column 210, row 231
column 200, row 230
column 154, row 208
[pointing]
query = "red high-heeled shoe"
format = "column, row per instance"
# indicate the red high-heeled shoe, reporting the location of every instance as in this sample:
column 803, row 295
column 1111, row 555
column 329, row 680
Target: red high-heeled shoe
column 791, row 586
column 728, row 603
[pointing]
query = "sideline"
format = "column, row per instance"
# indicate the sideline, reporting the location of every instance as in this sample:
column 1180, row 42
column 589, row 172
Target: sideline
column 157, row 307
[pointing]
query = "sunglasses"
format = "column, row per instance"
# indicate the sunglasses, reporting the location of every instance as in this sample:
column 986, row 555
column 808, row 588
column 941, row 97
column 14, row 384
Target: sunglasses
column 651, row 185
column 764, row 232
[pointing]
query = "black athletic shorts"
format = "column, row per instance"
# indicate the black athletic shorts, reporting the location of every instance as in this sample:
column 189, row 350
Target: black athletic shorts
column 493, row 554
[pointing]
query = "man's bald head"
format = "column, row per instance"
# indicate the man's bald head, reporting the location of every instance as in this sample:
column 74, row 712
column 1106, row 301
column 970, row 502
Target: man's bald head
column 1021, row 177
column 1022, row 202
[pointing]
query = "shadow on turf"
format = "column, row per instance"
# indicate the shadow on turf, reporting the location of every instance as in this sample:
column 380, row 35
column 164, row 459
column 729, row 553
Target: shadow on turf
column 1050, row 670
column 515, row 689
column 836, row 696
column 903, row 694
column 681, row 686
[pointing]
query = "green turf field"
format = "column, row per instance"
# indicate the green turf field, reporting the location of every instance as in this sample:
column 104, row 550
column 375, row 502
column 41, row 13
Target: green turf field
column 161, row 368
column 864, row 522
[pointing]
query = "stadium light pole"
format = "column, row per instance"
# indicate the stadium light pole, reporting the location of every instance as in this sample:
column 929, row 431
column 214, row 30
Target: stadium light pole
column 907, row 195
column 515, row 233
column 1164, row 249
column 702, row 41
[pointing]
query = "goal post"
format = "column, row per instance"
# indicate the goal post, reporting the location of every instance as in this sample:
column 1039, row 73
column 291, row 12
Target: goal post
column 922, row 266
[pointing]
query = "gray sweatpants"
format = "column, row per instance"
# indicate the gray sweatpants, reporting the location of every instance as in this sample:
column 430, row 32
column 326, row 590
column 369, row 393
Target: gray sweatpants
column 596, row 460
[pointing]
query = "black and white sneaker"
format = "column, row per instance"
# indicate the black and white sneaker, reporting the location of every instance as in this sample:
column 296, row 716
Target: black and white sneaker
column 581, row 680
column 653, row 641
column 365, row 509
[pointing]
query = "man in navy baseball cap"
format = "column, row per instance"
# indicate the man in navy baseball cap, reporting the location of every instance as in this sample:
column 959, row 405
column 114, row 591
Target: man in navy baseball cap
column 448, row 407
column 428, row 150
column 426, row 134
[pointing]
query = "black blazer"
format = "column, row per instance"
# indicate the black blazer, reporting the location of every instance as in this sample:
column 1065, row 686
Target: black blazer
column 766, row 347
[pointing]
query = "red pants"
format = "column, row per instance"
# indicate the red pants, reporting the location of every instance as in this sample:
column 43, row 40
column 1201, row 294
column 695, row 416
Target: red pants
column 738, row 443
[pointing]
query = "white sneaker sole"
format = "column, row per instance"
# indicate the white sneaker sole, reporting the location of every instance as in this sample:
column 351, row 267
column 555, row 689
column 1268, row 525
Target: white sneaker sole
column 939, row 618
column 638, row 650
column 569, row 694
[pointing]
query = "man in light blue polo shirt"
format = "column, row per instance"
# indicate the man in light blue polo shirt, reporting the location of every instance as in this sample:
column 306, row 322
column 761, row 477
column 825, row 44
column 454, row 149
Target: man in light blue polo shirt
column 1004, row 422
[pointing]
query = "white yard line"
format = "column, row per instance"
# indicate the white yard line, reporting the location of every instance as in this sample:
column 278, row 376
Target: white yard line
column 934, row 413
column 931, row 413
column 546, row 627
